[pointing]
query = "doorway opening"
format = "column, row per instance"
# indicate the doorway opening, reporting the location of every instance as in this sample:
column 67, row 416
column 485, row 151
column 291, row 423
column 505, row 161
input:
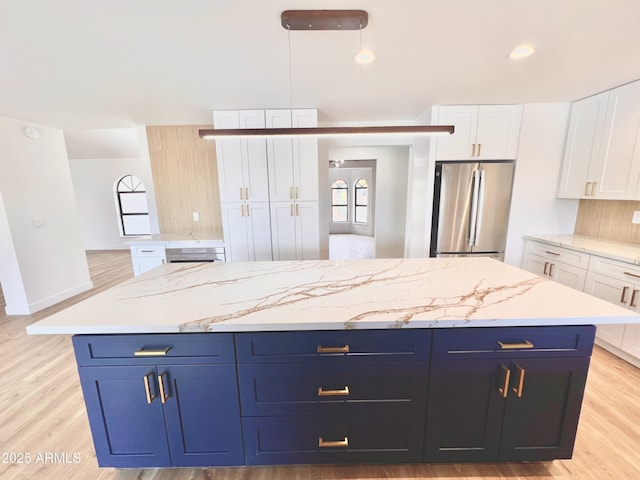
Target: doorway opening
column 352, row 209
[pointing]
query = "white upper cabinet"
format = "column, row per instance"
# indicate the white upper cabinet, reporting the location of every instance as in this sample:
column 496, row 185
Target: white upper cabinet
column 581, row 153
column 485, row 132
column 602, row 154
column 242, row 163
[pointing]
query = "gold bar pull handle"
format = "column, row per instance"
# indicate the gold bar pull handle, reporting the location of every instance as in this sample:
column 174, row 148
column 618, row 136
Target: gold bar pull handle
column 473, row 150
column 332, row 444
column 593, row 189
column 333, row 393
column 159, row 352
column 515, row 345
column 241, row 194
column 297, row 209
column 163, row 393
column 242, row 210
column 587, row 187
column 634, row 275
column 551, row 265
column 520, row 387
column 479, row 147
column 342, row 349
column 290, row 193
column 147, row 388
column 297, row 193
column 246, row 193
column 248, row 211
column 291, row 209
column 623, row 298
column 634, row 297
column 552, row 253
column 504, row 390
column 546, row 268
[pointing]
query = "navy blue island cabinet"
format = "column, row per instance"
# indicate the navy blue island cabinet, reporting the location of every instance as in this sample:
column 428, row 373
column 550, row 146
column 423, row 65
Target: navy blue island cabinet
column 506, row 394
column 348, row 396
column 161, row 400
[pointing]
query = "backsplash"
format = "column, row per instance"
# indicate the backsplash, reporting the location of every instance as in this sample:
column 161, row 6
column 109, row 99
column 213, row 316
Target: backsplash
column 608, row 220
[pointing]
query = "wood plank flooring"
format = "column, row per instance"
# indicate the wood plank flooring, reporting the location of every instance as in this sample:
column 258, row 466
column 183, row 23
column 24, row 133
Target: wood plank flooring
column 42, row 412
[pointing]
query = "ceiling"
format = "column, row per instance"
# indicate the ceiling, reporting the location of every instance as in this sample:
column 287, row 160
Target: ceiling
column 78, row 64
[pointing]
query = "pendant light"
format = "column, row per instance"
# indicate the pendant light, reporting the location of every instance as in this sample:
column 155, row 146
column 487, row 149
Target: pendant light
column 325, row 20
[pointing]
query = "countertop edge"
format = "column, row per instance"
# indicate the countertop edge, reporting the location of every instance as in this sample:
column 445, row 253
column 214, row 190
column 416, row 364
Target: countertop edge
column 572, row 242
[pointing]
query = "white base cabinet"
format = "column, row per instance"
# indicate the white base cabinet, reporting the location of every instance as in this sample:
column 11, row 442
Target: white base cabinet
column 247, row 229
column 611, row 280
column 295, row 232
column 147, row 257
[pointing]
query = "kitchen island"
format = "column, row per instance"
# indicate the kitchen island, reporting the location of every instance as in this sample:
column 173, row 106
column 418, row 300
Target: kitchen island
column 397, row 360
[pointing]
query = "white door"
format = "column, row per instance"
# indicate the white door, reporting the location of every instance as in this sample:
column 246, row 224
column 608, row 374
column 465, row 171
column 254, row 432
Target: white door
column 307, row 230
column 568, row 275
column 305, row 157
column 259, row 231
column 283, row 230
column 234, row 223
column 458, row 146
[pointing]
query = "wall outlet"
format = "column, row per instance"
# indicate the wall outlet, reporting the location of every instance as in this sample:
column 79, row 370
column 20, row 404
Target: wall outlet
column 636, row 217
column 196, row 216
column 39, row 222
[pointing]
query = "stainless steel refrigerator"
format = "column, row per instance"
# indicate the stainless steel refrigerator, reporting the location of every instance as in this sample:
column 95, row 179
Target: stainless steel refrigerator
column 471, row 208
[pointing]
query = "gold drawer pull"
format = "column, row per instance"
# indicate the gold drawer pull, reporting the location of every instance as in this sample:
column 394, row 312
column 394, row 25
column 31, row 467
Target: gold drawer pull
column 152, row 353
column 552, row 253
column 343, row 349
column 333, row 393
column 635, row 275
column 623, row 298
column 332, row 444
column 147, row 388
column 634, row 297
column 514, row 346
column 588, row 187
column 504, row 390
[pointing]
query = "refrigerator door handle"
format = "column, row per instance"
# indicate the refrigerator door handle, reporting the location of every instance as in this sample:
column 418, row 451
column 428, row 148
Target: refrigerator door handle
column 473, row 218
column 480, row 212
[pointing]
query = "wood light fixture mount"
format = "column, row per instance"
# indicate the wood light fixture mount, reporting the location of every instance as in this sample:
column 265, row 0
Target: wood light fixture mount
column 325, row 20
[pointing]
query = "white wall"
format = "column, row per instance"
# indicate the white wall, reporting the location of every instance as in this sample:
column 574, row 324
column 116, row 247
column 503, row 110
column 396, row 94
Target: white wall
column 36, row 188
column 391, row 193
column 94, row 178
column 534, row 206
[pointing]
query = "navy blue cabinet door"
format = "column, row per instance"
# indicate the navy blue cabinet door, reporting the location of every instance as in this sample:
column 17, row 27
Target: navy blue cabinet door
column 541, row 423
column 202, row 415
column 464, row 414
column 127, row 430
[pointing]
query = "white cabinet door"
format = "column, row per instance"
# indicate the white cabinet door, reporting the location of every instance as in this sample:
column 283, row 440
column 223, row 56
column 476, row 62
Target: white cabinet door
column 229, row 158
column 280, row 158
column 485, row 132
column 307, row 231
column 535, row 264
column 568, row 275
column 631, row 340
column 620, row 148
column 580, row 162
column 254, row 158
column 611, row 290
column 305, row 157
column 498, row 131
column 235, row 231
column 283, row 230
column 259, row 231
column 458, row 146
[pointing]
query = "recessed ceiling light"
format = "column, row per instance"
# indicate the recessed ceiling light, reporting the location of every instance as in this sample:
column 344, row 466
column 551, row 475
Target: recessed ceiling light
column 521, row 51
column 364, row 56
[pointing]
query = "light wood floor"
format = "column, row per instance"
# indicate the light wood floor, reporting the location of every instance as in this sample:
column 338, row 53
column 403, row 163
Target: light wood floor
column 42, row 411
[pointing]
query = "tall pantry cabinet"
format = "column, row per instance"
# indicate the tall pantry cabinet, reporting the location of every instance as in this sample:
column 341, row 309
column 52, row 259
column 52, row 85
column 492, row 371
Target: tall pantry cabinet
column 269, row 187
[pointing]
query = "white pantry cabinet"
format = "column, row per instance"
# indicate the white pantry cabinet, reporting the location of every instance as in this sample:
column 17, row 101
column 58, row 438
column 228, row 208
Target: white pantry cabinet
column 482, row 132
column 602, row 153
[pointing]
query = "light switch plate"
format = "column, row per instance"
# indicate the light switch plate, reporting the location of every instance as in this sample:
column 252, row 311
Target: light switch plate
column 636, row 217
column 196, row 216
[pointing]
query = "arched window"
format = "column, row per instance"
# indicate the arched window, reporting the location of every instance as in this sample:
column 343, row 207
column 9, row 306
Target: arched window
column 361, row 200
column 339, row 201
column 132, row 206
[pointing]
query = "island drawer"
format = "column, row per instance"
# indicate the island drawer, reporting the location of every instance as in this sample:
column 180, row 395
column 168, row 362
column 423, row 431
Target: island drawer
column 154, row 349
column 513, row 342
column 333, row 346
column 333, row 439
column 312, row 389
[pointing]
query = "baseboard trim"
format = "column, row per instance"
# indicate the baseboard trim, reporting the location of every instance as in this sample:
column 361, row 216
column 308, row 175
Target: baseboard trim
column 34, row 307
column 618, row 352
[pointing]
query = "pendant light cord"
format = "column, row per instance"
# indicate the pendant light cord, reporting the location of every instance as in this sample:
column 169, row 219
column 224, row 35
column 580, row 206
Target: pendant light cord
column 290, row 75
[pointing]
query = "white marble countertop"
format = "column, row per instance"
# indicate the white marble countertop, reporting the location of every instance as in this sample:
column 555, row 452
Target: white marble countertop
column 331, row 295
column 624, row 252
column 176, row 240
